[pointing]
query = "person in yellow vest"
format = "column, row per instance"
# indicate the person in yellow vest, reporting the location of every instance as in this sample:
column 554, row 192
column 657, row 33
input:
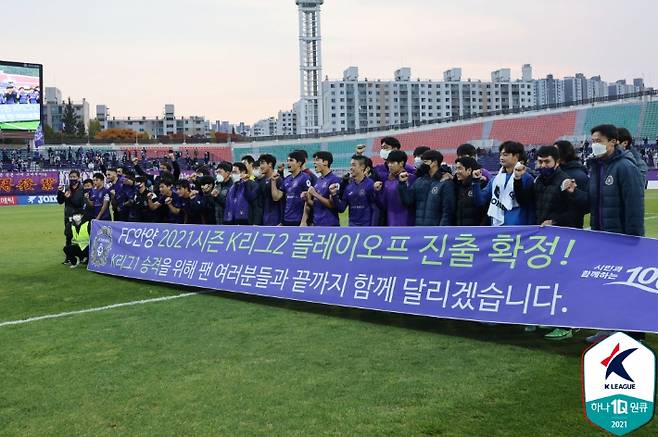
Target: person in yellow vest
column 78, row 251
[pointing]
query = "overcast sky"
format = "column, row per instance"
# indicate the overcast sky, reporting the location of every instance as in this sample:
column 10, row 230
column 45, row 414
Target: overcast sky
column 237, row 60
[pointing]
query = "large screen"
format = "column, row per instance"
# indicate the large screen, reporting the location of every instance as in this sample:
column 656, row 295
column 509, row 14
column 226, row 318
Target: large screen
column 21, row 95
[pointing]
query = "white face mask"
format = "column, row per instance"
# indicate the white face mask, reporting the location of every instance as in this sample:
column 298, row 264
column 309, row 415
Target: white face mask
column 599, row 149
column 384, row 153
column 257, row 173
column 77, row 219
column 235, row 177
column 219, row 178
column 418, row 162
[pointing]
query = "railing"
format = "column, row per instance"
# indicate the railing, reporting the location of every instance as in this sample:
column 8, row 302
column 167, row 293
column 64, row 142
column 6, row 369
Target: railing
column 455, row 118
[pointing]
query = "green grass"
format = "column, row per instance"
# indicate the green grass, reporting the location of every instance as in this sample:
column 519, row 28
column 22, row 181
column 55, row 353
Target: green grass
column 20, row 125
column 229, row 364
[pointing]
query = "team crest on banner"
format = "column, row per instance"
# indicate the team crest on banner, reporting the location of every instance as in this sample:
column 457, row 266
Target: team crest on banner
column 101, row 246
column 619, row 377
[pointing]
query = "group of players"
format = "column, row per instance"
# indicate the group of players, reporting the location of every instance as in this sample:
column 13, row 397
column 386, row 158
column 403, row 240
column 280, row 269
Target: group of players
column 19, row 96
column 418, row 190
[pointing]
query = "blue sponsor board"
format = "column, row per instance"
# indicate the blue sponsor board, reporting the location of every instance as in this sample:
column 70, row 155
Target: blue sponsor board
column 42, row 199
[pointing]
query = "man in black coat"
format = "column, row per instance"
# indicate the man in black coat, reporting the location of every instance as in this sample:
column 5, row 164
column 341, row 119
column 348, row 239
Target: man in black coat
column 72, row 196
column 467, row 211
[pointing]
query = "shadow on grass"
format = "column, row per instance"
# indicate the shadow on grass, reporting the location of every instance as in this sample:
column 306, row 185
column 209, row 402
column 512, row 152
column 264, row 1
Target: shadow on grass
column 501, row 334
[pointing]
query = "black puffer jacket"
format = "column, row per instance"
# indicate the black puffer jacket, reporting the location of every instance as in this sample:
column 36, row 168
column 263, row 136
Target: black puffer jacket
column 467, row 212
column 578, row 202
column 550, row 202
column 616, row 195
column 433, row 198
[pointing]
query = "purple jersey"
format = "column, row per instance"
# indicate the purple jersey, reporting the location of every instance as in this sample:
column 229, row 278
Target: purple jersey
column 99, row 196
column 323, row 216
column 293, row 187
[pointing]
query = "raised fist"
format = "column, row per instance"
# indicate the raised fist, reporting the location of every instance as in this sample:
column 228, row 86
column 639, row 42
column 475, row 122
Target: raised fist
column 519, row 170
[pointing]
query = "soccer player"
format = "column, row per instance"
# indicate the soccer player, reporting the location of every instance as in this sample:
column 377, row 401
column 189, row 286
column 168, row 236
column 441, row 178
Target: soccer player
column 503, row 208
column 206, row 201
column 168, row 205
column 99, row 198
column 388, row 198
column 118, row 194
column 255, row 202
column 139, row 208
column 240, row 196
column 358, row 194
column 324, row 211
column 190, row 202
column 432, row 196
column 272, row 210
column 222, row 186
column 249, row 162
column 10, row 95
column 616, row 193
column 469, row 150
column 292, row 187
column 22, row 96
column 387, row 145
column 467, row 211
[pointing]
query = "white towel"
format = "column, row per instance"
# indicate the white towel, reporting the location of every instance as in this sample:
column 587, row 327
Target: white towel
column 502, row 198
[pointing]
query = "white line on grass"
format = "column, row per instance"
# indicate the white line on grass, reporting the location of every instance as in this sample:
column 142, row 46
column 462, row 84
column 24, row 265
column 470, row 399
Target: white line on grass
column 93, row 310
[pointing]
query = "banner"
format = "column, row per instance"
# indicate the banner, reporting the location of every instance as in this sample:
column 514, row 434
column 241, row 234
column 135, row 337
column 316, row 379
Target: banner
column 29, row 183
column 518, row 274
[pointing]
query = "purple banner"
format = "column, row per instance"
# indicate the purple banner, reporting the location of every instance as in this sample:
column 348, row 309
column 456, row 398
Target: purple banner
column 29, row 183
column 519, row 274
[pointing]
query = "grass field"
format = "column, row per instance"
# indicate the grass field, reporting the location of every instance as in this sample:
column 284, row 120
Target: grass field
column 228, row 364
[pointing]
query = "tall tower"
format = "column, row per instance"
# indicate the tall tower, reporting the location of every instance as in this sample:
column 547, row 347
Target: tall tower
column 310, row 66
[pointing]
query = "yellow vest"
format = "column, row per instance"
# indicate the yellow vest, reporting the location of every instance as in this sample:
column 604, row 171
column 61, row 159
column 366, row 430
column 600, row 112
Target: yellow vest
column 81, row 238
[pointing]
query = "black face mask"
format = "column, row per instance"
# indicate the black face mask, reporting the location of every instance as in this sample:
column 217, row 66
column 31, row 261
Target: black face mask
column 73, row 183
column 423, row 170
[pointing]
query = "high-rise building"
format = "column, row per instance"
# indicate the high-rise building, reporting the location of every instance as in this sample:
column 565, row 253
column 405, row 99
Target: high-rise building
column 54, row 109
column 310, row 66
column 352, row 103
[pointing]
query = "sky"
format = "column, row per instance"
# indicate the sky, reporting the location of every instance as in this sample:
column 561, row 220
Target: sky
column 238, row 60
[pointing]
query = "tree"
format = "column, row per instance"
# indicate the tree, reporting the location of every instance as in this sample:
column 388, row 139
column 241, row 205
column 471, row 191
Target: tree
column 120, row 135
column 81, row 128
column 69, row 119
column 49, row 134
column 94, row 128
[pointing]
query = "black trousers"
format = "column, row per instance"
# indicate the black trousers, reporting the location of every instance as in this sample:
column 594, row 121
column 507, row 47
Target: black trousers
column 73, row 250
column 67, row 230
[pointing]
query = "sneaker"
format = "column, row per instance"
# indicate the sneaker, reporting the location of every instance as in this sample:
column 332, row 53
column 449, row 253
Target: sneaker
column 66, row 262
column 559, row 334
column 84, row 260
column 600, row 335
column 530, row 328
column 73, row 266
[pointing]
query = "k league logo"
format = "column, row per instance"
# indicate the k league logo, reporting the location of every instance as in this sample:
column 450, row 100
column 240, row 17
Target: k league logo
column 619, row 377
